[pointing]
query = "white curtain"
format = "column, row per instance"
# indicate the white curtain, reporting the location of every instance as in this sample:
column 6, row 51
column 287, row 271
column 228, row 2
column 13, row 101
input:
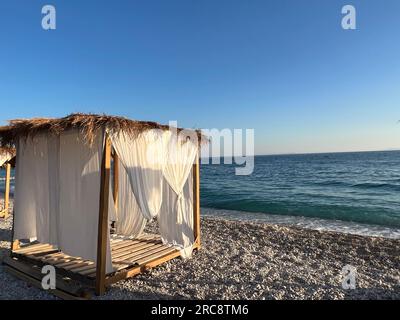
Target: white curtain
column 179, row 235
column 130, row 221
column 112, row 213
column 159, row 165
column 143, row 159
column 57, row 190
column 179, row 163
column 31, row 208
column 80, row 177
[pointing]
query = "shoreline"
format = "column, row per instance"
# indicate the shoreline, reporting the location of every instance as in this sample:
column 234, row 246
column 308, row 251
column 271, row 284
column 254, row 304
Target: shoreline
column 310, row 223
column 252, row 260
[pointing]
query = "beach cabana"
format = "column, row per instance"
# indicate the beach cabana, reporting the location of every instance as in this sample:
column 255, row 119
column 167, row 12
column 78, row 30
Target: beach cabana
column 80, row 176
column 7, row 160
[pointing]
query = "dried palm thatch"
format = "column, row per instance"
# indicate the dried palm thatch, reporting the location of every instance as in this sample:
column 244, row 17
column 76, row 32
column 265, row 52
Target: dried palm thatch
column 88, row 124
column 7, row 151
column 7, row 155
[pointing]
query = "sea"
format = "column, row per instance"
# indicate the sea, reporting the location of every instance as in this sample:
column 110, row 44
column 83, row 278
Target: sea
column 354, row 192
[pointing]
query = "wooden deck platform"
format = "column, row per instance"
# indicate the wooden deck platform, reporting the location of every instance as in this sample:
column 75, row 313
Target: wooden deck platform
column 129, row 257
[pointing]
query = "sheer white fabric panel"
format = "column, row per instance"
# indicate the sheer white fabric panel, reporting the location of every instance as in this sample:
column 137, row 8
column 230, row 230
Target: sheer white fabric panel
column 180, row 158
column 112, row 214
column 31, row 210
column 53, row 147
column 178, row 167
column 79, row 181
column 179, row 235
column 143, row 159
column 130, row 221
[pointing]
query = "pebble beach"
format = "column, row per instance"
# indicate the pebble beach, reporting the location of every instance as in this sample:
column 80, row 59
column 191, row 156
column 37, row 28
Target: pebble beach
column 249, row 260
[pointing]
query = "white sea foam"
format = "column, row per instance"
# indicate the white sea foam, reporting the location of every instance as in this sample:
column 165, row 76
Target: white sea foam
column 307, row 222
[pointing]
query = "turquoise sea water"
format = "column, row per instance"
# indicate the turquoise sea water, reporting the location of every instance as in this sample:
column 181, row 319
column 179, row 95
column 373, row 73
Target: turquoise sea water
column 362, row 187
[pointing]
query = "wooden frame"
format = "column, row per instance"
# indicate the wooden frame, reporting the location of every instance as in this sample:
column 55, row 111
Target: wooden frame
column 147, row 253
column 4, row 213
column 103, row 218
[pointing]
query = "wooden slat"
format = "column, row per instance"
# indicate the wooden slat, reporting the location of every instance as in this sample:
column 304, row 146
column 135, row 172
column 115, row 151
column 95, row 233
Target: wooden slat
column 88, row 266
column 155, row 256
column 38, row 255
column 141, row 254
column 26, row 246
column 57, row 260
column 132, row 258
column 124, row 274
column 79, row 265
column 46, row 257
column 135, row 251
column 134, row 247
column 70, row 262
column 34, row 248
column 128, row 242
column 124, row 244
column 103, row 218
column 33, row 276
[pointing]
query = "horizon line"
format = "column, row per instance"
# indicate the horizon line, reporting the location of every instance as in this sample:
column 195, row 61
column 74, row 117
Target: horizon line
column 322, row 152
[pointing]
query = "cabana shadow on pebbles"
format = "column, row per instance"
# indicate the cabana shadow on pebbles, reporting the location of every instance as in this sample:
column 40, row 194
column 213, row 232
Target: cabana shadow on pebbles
column 78, row 177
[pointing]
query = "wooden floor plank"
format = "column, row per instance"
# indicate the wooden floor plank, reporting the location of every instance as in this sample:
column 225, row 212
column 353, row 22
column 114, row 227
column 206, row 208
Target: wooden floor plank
column 138, row 255
column 88, row 266
column 69, row 262
column 31, row 248
column 127, row 243
column 134, row 248
column 154, row 256
column 126, row 253
column 79, row 265
column 133, row 251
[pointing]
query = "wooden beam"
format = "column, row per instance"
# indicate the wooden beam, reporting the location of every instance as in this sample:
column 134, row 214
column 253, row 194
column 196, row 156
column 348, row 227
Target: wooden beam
column 196, row 202
column 103, row 218
column 7, row 190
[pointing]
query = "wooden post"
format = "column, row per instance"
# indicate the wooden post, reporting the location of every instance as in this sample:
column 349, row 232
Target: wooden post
column 103, row 219
column 14, row 242
column 116, row 181
column 196, row 202
column 7, row 191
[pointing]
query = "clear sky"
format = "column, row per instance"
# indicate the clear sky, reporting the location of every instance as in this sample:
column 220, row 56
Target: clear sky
column 283, row 67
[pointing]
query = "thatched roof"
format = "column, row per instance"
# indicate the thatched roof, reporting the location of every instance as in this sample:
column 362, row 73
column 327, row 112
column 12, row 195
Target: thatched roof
column 7, row 151
column 88, row 124
column 7, row 155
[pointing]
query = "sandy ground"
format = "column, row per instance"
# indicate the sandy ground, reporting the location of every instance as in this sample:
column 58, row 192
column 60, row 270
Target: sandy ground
column 241, row 260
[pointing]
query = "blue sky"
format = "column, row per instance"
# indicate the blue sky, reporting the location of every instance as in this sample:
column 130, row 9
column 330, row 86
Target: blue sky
column 285, row 68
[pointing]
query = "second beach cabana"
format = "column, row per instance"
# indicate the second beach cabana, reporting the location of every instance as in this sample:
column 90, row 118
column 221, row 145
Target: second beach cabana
column 7, row 160
column 79, row 176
